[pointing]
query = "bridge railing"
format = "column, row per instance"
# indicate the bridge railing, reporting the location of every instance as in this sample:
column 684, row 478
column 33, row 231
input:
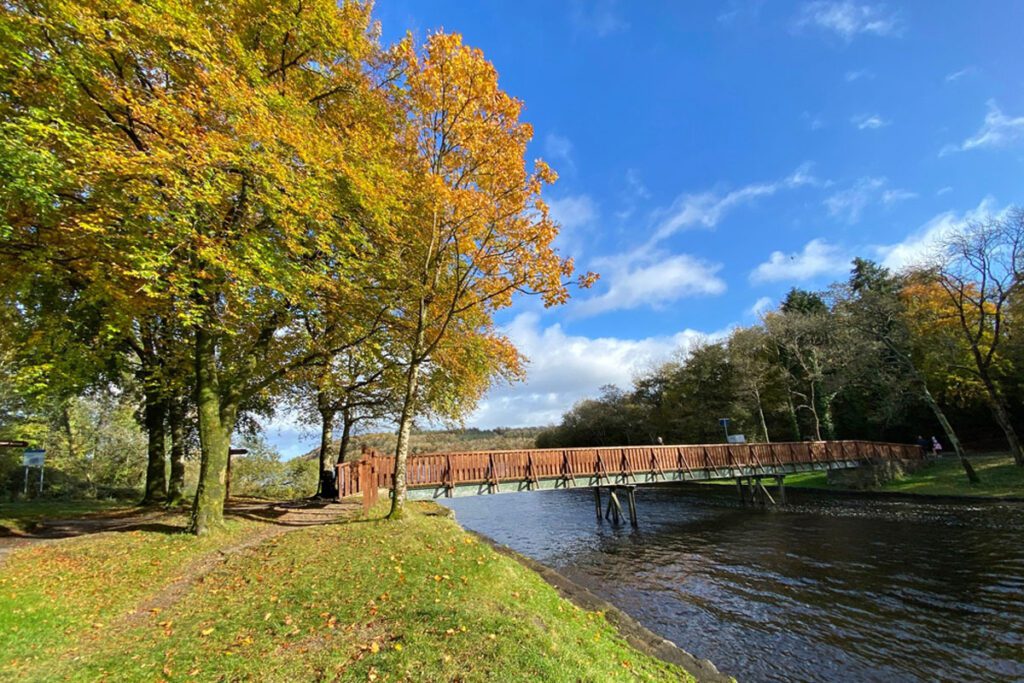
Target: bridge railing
column 450, row 469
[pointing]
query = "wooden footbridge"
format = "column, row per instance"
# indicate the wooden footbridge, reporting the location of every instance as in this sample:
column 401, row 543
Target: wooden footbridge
column 445, row 475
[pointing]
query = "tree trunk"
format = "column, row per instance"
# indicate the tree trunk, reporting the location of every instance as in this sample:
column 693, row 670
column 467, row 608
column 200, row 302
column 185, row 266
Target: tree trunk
column 402, row 447
column 947, row 428
column 227, row 474
column 176, row 484
column 1002, row 416
column 813, row 408
column 794, row 420
column 823, row 413
column 760, row 412
column 155, row 410
column 346, row 433
column 215, row 424
column 326, row 487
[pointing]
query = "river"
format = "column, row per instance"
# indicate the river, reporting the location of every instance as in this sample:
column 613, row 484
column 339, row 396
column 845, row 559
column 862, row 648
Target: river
column 825, row 589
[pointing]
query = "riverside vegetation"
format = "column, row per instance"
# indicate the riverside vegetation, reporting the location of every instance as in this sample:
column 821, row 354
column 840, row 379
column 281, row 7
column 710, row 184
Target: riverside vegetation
column 147, row 605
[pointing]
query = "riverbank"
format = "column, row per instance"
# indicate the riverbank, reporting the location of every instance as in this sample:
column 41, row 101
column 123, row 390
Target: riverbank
column 1000, row 478
column 269, row 600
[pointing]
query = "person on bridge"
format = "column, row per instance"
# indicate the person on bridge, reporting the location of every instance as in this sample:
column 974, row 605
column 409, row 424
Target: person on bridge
column 924, row 443
column 936, row 447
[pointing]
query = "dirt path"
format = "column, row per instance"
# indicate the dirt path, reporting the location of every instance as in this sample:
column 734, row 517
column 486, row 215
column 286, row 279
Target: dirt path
column 280, row 517
column 283, row 517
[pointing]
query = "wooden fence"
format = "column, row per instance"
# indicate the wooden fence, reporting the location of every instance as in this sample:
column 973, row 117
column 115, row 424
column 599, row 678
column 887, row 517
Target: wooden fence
column 447, row 470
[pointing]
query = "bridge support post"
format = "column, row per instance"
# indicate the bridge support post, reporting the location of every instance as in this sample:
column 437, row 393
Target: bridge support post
column 631, row 493
column 614, row 512
column 597, row 501
column 781, row 487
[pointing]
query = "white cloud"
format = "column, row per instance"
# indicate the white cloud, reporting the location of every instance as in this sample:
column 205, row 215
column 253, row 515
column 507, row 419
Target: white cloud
column 760, row 306
column 599, row 18
column 858, row 75
column 817, row 258
column 850, row 203
column 943, row 190
column 637, row 279
column 566, row 368
column 635, row 186
column 559, row 148
column 998, row 130
column 813, row 120
column 957, row 75
column 847, row 19
column 869, row 121
column 890, row 197
column 706, row 209
column 741, row 10
column 573, row 213
column 921, row 245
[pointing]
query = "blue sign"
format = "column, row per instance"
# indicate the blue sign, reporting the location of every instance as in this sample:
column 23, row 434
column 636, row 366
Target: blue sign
column 724, row 421
column 33, row 458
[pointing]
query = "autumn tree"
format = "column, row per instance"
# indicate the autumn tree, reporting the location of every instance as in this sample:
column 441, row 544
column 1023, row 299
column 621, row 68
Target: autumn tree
column 884, row 310
column 218, row 163
column 477, row 230
column 980, row 272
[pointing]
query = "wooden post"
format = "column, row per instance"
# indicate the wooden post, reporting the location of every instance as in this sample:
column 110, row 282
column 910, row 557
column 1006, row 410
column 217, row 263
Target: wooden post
column 631, row 492
column 366, row 484
column 781, row 485
column 614, row 506
column 597, row 501
column 739, row 490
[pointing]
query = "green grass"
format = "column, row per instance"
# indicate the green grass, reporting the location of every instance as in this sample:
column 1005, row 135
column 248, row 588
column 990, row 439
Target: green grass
column 419, row 599
column 1000, row 478
column 813, row 480
column 21, row 516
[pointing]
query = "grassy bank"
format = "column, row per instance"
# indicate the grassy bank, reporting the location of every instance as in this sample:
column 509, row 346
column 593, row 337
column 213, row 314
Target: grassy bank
column 1000, row 478
column 363, row 600
column 22, row 516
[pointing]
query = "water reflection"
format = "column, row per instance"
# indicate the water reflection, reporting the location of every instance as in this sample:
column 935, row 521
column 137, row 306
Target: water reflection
column 829, row 589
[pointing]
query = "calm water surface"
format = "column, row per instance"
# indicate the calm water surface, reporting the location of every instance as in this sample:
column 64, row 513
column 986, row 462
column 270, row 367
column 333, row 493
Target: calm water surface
column 829, row 589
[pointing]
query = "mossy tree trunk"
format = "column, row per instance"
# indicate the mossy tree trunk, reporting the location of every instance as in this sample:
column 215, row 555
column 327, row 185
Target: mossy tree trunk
column 326, row 487
column 216, row 422
column 176, row 424
column 155, row 413
column 346, row 433
column 402, row 447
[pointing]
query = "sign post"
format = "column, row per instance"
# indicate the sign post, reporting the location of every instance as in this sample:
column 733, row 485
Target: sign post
column 34, row 458
column 724, row 421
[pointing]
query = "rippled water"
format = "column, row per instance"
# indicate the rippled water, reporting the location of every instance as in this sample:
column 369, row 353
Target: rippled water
column 827, row 589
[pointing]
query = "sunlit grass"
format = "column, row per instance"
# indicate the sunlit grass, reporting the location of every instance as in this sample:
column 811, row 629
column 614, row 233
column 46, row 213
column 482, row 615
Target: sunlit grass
column 1000, row 478
column 418, row 599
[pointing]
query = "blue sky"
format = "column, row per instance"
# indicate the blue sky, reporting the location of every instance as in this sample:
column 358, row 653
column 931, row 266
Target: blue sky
column 711, row 156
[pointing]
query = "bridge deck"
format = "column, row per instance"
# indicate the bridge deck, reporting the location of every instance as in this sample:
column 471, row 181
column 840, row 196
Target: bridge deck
column 477, row 473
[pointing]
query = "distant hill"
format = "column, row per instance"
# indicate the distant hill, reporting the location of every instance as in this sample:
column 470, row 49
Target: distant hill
column 442, row 441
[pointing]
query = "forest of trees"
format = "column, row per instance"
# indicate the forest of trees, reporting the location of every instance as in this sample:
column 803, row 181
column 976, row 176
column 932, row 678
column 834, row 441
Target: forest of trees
column 212, row 211
column 935, row 350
